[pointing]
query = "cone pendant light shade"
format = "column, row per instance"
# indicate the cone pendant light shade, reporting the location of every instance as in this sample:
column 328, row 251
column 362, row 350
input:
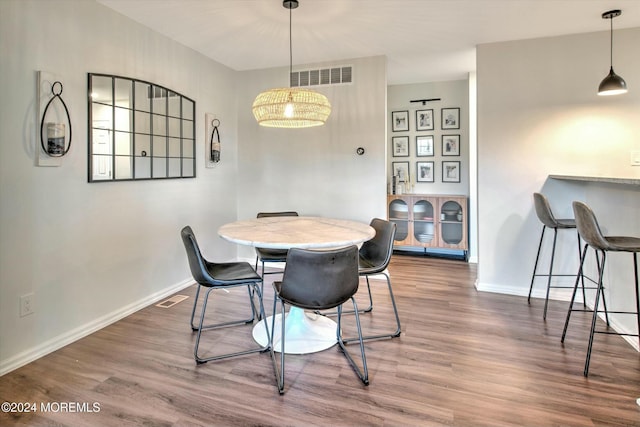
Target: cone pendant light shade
column 613, row 84
column 291, row 107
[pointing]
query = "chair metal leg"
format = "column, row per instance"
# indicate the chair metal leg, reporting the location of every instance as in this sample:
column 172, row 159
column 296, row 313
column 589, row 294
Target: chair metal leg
column 635, row 272
column 394, row 334
column 604, row 301
column 535, row 265
column 635, row 269
column 279, row 372
column 218, row 325
column 201, row 327
column 575, row 289
column 595, row 315
column 581, row 273
column 363, row 373
column 553, row 255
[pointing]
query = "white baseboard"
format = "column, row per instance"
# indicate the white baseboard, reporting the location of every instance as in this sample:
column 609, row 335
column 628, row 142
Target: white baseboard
column 66, row 338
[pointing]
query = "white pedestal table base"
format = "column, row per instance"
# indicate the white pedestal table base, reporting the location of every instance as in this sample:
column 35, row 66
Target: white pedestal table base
column 305, row 332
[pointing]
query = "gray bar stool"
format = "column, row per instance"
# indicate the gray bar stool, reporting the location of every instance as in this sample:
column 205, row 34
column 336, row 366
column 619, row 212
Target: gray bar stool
column 589, row 229
column 548, row 220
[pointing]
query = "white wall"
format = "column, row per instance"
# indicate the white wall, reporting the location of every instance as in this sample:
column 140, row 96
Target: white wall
column 316, row 171
column 538, row 114
column 92, row 253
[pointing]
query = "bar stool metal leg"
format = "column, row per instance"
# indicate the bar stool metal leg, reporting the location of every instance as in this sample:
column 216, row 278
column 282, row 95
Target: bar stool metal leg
column 553, row 255
column 595, row 315
column 535, row 265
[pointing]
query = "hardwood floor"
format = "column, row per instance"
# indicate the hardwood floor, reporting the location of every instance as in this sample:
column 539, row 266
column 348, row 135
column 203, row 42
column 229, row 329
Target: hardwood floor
column 465, row 358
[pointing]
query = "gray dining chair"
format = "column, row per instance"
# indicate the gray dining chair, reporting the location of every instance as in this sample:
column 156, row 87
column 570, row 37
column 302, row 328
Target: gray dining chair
column 319, row 280
column 271, row 255
column 373, row 258
column 221, row 276
column 591, row 233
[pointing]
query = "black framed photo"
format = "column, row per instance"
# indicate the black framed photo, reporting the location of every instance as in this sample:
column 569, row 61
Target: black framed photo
column 401, row 170
column 424, row 171
column 450, row 118
column 450, row 171
column 424, row 146
column 399, row 121
column 400, row 146
column 450, row 145
column 424, row 120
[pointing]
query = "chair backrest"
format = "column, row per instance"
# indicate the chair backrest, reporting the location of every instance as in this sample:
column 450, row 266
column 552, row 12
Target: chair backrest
column 196, row 261
column 543, row 210
column 283, row 213
column 320, row 279
column 588, row 227
column 377, row 251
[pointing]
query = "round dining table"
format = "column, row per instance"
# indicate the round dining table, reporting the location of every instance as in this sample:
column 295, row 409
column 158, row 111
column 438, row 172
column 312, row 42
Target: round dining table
column 306, row 331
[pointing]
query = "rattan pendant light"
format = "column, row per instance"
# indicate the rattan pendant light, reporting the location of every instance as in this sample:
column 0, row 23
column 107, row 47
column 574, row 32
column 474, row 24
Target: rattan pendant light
column 291, row 107
column 613, row 84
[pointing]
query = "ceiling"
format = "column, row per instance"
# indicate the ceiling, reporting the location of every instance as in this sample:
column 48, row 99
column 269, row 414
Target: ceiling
column 423, row 40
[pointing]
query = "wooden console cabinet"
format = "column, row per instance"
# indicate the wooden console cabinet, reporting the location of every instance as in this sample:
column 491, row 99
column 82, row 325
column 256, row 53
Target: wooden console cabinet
column 430, row 221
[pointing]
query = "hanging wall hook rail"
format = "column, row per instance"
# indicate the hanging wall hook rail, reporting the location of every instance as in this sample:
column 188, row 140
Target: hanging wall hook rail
column 55, row 131
column 424, row 101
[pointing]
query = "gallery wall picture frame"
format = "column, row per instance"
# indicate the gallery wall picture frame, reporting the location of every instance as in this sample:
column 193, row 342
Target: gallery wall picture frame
column 450, row 118
column 424, row 120
column 450, row 171
column 424, row 146
column 450, row 145
column 400, row 146
column 401, row 170
column 425, row 171
column 400, row 121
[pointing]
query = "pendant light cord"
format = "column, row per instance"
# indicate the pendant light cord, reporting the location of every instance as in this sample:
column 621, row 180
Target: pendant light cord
column 290, row 50
column 611, row 47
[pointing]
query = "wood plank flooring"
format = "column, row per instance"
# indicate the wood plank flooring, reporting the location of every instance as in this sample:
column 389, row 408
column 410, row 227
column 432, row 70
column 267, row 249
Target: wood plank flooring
column 465, row 358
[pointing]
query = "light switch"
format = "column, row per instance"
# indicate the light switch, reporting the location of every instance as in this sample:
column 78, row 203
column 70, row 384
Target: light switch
column 635, row 158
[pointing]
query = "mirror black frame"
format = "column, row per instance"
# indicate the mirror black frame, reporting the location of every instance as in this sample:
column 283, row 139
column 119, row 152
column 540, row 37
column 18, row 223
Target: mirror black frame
column 138, row 130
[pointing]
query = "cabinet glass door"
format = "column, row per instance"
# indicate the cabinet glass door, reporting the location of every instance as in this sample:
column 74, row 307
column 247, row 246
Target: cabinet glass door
column 451, row 222
column 423, row 223
column 399, row 214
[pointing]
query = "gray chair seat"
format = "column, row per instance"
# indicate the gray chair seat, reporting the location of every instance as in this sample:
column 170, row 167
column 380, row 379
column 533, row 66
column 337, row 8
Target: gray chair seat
column 623, row 243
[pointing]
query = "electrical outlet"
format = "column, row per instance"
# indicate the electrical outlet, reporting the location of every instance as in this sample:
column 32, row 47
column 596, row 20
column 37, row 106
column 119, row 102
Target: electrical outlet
column 26, row 304
column 635, row 158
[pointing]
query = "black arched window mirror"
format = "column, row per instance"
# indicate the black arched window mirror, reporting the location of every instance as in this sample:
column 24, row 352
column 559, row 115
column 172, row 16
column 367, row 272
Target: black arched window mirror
column 139, row 130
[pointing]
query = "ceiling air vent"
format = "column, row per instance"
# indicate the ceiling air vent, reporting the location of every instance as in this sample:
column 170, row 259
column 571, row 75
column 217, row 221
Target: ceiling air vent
column 325, row 76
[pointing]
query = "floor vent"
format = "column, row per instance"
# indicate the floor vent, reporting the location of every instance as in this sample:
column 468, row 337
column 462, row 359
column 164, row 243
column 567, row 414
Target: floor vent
column 172, row 301
column 323, row 77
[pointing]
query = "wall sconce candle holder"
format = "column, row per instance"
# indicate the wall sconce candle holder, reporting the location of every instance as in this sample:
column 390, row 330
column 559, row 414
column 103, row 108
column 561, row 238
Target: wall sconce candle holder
column 56, row 146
